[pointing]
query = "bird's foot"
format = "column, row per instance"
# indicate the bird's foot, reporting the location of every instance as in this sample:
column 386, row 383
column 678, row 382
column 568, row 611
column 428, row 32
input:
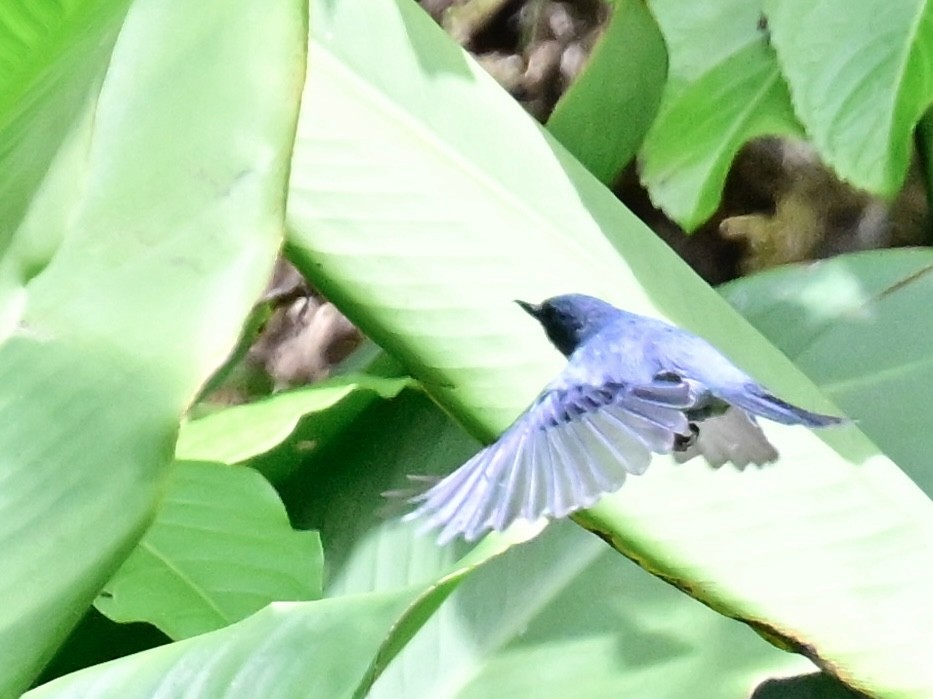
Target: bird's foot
column 682, row 442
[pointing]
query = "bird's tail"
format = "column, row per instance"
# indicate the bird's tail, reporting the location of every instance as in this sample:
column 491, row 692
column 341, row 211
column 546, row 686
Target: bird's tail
column 758, row 401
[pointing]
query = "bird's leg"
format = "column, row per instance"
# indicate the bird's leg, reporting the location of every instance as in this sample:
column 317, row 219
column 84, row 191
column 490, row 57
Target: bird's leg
column 682, row 442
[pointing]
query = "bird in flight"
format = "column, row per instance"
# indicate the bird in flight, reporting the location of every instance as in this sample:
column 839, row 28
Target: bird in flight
column 633, row 387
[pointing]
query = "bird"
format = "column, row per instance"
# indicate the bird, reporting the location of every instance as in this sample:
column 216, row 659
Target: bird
column 632, row 387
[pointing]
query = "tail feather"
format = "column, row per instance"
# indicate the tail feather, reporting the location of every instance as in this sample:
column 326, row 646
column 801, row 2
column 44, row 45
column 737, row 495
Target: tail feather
column 758, row 401
column 733, row 437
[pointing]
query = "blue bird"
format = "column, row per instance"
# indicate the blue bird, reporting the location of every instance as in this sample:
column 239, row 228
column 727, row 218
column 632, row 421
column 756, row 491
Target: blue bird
column 632, row 387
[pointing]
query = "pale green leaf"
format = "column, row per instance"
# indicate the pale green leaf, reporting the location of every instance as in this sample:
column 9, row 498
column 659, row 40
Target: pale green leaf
column 241, row 432
column 220, row 549
column 426, row 258
column 560, row 615
column 136, row 240
column 854, row 325
column 290, row 649
column 326, row 648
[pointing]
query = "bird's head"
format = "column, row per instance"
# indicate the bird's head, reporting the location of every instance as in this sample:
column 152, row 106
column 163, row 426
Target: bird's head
column 570, row 319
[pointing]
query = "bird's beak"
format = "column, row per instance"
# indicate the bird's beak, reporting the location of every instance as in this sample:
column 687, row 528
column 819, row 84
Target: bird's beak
column 531, row 309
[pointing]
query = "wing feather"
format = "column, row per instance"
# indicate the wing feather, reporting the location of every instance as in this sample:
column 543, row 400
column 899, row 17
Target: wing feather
column 561, row 499
column 583, row 471
column 543, row 466
column 455, row 499
column 516, row 485
column 537, row 478
column 571, row 447
column 487, row 499
column 596, row 470
column 633, row 455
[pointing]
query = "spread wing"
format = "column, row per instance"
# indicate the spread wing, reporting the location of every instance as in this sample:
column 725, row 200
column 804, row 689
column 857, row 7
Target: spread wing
column 573, row 445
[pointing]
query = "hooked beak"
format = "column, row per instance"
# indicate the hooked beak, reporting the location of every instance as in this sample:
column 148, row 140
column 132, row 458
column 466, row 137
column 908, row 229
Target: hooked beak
column 531, row 309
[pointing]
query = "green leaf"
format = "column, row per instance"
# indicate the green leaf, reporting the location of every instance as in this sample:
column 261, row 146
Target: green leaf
column 485, row 195
column 861, row 308
column 239, row 433
column 566, row 616
column 327, row 648
column 724, row 89
column 133, row 251
column 860, row 79
column 220, row 548
column 560, row 615
column 296, row 649
column 604, row 115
